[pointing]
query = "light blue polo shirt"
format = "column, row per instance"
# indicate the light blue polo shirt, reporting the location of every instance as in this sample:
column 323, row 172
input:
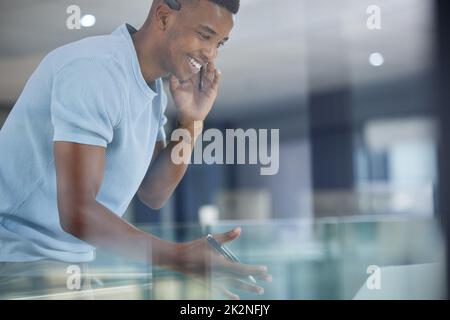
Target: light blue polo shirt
column 92, row 92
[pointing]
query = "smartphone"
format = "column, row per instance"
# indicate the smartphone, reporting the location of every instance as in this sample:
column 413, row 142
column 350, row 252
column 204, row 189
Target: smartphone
column 223, row 250
column 200, row 82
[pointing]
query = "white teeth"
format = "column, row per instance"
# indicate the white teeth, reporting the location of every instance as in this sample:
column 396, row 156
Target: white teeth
column 195, row 63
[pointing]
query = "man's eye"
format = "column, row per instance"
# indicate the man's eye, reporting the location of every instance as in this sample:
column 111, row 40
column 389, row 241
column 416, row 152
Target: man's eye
column 203, row 36
column 221, row 44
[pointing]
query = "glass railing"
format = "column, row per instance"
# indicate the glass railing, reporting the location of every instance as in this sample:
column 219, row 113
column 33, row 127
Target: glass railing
column 346, row 258
column 335, row 258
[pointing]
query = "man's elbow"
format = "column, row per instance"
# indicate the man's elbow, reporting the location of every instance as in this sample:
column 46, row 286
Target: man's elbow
column 72, row 221
column 155, row 203
column 70, row 224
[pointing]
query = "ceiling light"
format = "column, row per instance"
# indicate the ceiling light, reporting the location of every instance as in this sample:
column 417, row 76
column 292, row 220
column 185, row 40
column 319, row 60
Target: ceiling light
column 88, row 20
column 376, row 59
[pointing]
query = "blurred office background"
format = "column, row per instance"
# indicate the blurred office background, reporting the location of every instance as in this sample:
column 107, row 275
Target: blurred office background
column 356, row 108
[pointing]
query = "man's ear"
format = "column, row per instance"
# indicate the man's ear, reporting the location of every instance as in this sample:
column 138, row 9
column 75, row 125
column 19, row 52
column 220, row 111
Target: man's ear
column 162, row 15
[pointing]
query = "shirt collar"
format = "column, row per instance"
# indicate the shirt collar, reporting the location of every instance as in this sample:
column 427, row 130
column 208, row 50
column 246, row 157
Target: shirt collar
column 126, row 30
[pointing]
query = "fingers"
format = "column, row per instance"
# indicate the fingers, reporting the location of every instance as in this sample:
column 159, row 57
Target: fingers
column 217, row 76
column 174, row 83
column 245, row 286
column 228, row 236
column 210, row 70
column 229, row 294
column 212, row 76
column 244, row 270
column 238, row 285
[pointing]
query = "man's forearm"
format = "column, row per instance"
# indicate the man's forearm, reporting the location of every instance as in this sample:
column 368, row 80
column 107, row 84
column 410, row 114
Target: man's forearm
column 164, row 175
column 100, row 227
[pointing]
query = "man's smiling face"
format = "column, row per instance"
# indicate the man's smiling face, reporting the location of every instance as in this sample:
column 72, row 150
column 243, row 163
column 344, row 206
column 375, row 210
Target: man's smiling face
column 194, row 37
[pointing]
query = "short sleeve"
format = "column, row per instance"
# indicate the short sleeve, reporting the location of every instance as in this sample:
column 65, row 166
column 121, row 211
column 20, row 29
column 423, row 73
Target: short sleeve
column 86, row 102
column 161, row 131
column 163, row 119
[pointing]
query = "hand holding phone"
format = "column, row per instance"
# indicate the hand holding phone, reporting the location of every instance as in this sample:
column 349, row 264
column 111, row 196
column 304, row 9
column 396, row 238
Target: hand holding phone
column 223, row 250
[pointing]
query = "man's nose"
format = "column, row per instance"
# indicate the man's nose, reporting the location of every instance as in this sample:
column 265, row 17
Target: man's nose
column 210, row 53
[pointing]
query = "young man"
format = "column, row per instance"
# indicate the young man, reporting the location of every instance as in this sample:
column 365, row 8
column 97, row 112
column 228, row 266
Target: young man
column 87, row 133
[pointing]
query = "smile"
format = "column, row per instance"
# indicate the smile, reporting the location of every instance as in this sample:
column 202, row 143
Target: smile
column 194, row 63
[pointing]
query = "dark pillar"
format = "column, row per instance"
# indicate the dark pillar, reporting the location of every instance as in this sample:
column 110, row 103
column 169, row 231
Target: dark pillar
column 443, row 67
column 330, row 116
column 331, row 140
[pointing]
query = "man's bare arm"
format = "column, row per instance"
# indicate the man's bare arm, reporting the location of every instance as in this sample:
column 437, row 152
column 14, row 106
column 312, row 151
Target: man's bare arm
column 163, row 174
column 79, row 170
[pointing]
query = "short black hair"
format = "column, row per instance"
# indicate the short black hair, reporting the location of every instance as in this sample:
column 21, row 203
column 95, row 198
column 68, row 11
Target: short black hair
column 230, row 5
